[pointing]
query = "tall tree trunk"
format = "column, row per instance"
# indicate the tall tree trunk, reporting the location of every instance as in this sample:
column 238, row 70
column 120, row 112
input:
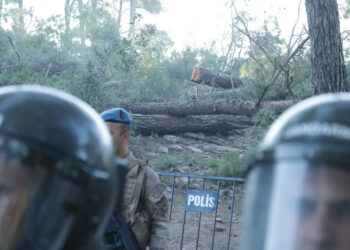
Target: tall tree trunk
column 132, row 11
column 93, row 22
column 119, row 19
column 82, row 22
column 21, row 18
column 328, row 68
column 94, row 5
column 132, row 17
column 1, row 1
column 67, row 16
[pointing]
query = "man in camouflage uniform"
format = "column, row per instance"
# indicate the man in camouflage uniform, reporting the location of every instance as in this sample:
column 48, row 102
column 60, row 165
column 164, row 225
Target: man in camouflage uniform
column 145, row 204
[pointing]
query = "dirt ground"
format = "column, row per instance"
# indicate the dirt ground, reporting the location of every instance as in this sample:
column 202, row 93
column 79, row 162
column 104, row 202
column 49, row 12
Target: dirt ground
column 188, row 154
column 207, row 223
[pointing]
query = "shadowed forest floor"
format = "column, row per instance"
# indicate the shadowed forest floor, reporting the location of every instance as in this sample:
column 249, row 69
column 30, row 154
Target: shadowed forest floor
column 201, row 155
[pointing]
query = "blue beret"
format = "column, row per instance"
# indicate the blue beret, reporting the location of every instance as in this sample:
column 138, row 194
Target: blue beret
column 116, row 115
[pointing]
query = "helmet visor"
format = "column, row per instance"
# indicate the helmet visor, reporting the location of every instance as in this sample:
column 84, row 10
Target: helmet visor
column 296, row 205
column 14, row 193
column 37, row 206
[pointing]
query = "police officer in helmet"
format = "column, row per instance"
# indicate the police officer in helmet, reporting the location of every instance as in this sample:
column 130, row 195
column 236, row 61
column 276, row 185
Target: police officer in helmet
column 57, row 174
column 298, row 188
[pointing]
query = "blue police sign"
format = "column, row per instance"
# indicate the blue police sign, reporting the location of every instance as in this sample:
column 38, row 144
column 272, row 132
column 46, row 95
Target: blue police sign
column 201, row 201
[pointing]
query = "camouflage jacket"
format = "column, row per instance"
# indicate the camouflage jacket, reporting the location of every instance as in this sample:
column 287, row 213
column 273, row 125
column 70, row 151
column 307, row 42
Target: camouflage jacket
column 145, row 206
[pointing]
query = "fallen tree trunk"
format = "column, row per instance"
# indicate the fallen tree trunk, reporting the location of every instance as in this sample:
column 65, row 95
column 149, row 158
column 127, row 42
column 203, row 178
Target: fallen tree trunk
column 181, row 109
column 163, row 124
column 203, row 76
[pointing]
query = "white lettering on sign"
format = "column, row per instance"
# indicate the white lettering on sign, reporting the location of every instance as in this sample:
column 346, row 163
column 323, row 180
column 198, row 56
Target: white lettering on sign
column 201, row 200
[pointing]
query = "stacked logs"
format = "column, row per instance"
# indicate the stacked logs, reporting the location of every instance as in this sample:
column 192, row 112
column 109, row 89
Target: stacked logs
column 200, row 116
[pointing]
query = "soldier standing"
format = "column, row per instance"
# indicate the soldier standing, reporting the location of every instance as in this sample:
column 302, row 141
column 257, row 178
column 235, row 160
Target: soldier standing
column 145, row 203
column 57, row 176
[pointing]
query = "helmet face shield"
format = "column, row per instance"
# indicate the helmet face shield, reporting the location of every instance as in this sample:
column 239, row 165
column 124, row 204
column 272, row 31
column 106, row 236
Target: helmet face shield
column 14, row 193
column 57, row 172
column 296, row 205
column 37, row 207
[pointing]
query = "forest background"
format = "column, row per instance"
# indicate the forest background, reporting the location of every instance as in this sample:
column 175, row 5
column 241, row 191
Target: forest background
column 97, row 52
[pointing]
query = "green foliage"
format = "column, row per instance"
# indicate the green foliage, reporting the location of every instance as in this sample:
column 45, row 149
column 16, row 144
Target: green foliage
column 214, row 163
column 86, row 87
column 210, row 60
column 50, row 28
column 346, row 10
column 234, row 163
column 300, row 69
column 163, row 163
column 152, row 6
column 231, row 165
column 179, row 65
column 23, row 75
column 192, row 159
column 98, row 48
column 262, row 121
column 303, row 90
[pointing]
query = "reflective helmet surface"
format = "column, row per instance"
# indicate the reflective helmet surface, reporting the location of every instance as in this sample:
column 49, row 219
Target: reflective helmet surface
column 116, row 115
column 298, row 188
column 57, row 157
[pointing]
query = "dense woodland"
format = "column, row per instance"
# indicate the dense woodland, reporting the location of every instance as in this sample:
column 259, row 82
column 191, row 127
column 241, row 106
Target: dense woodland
column 201, row 110
column 99, row 53
column 89, row 53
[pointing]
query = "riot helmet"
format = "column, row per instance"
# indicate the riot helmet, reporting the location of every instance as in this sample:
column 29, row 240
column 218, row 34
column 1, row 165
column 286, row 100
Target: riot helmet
column 298, row 187
column 57, row 175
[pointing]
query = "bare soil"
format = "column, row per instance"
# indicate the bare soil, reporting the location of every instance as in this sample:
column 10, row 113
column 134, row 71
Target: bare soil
column 198, row 149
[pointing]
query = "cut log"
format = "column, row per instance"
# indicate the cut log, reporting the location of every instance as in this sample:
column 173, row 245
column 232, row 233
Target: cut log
column 181, row 109
column 203, row 76
column 164, row 124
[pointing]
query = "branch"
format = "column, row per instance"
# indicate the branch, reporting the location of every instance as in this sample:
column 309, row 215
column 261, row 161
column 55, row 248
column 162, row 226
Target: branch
column 251, row 39
column 71, row 6
column 289, row 48
column 260, row 64
column 280, row 69
column 247, row 34
column 14, row 47
column 274, row 68
column 290, row 81
column 345, row 34
column 48, row 70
